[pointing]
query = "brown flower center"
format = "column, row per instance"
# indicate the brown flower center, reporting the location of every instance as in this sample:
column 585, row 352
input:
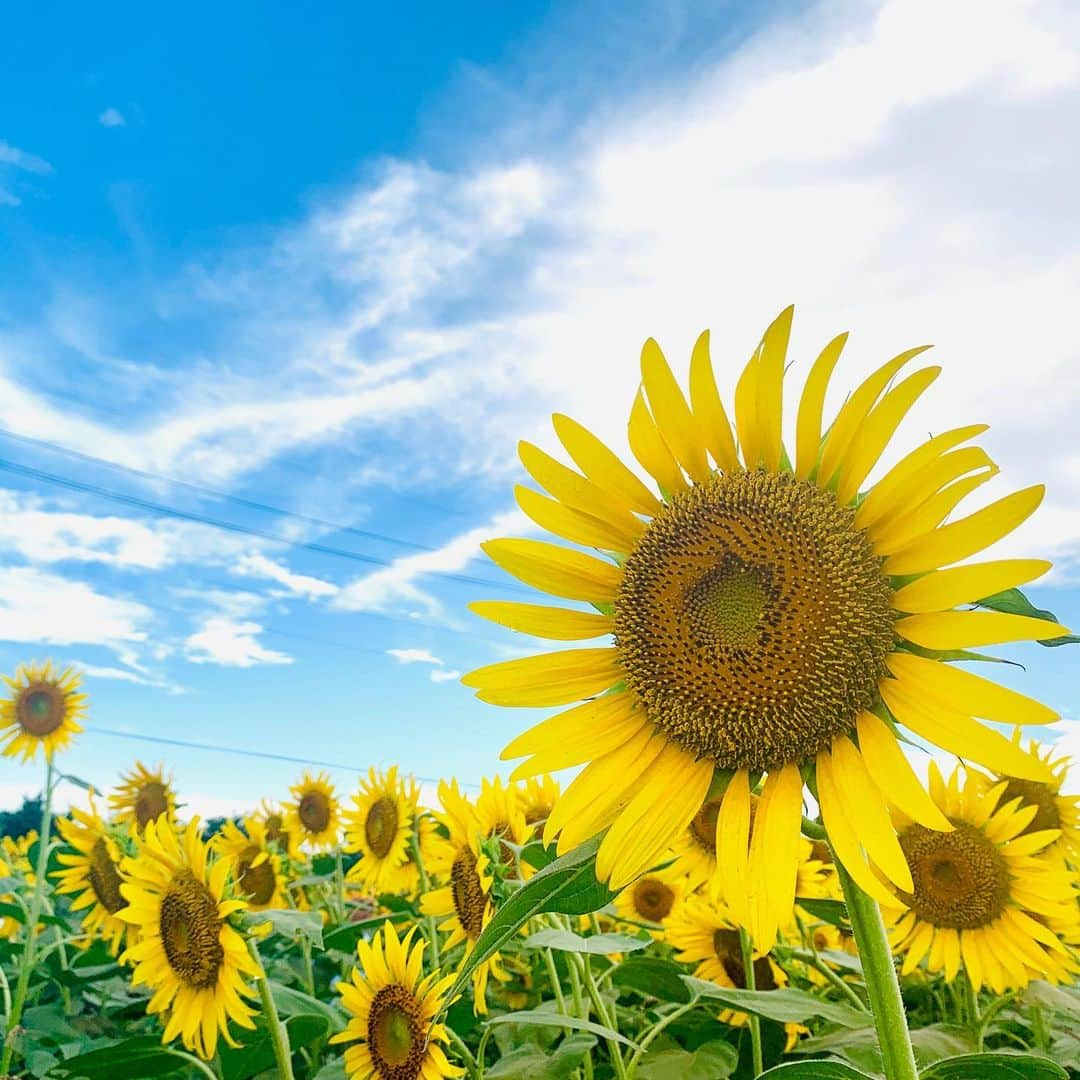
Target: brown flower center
column 653, row 899
column 395, row 1034
column 40, row 709
column 314, row 812
column 703, row 826
column 1034, row 793
column 259, row 883
column 470, row 900
column 191, row 931
column 728, row 948
column 151, row 802
column 381, row 826
column 104, row 877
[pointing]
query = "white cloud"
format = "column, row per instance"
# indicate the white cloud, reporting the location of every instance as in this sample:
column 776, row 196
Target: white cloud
column 1067, row 744
column 95, row 671
column 111, row 118
column 257, row 565
column 441, row 675
column 21, row 159
column 231, row 644
column 414, row 656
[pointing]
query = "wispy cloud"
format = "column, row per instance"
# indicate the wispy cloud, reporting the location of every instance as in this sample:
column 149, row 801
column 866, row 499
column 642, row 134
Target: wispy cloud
column 414, row 656
column 441, row 675
column 22, row 159
column 111, row 118
column 260, row 566
column 229, row 643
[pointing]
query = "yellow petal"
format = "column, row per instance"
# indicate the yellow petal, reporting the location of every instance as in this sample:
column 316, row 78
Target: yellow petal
column 575, row 525
column 953, row 687
column 770, row 387
column 673, row 417
column 733, row 845
column 611, row 712
column 944, row 589
column 548, row 679
column 965, row 537
column 648, row 446
column 556, row 623
column 746, row 412
column 968, row 629
column 709, row 410
column 811, row 406
column 603, row 467
column 773, row 863
column 556, row 570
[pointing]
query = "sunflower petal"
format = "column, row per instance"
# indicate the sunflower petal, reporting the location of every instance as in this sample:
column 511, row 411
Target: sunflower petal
column 548, row 679
column 648, row 446
column 575, row 525
column 673, row 417
column 555, row 623
column 556, row 570
column 733, row 845
column 773, row 862
column 967, row 629
column 944, row 589
column 812, row 405
column 708, row 408
column 770, row 386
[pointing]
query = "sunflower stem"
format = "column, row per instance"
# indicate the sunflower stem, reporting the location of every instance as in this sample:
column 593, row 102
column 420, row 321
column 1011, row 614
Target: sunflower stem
column 602, row 1014
column 882, row 985
column 458, row 1043
column 425, row 887
column 26, row 962
column 580, row 1009
column 751, row 984
column 279, row 1035
column 820, row 966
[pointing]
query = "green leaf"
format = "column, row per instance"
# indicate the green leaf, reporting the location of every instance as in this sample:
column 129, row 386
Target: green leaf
column 653, row 977
column 257, row 1054
column 1014, row 602
column 833, row 912
column 533, row 1063
column 930, row 1043
column 596, row 945
column 78, row 782
column 813, row 1070
column 710, row 1061
column 344, row 936
column 138, row 1058
column 1060, row 999
column 333, row 1070
column 13, row 911
column 292, row 1002
column 294, row 925
column 553, row 1019
column 994, row 1066
column 785, row 1006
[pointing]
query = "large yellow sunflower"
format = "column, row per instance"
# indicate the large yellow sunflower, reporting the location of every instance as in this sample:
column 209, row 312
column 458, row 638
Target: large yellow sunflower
column 143, row 795
column 92, row 871
column 379, row 827
column 187, row 952
column 255, row 863
column 392, row 1006
column 770, row 613
column 983, row 896
column 44, row 710
column 315, row 816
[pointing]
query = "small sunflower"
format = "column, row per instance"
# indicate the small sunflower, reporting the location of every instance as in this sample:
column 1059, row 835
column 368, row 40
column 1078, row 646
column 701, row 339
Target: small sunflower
column 273, row 818
column 392, row 1006
column 539, row 794
column 653, row 898
column 92, row 871
column 769, row 614
column 379, row 828
column 255, row 863
column 9, row 926
column 501, row 816
column 465, row 901
column 187, row 953
column 142, row 796
column 984, row 897
column 44, row 710
column 315, row 816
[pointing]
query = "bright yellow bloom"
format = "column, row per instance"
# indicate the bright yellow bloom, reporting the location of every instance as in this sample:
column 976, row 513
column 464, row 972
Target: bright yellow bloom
column 379, row 827
column 143, row 795
column 44, row 710
column 187, row 952
column 769, row 613
column 500, row 814
column 539, row 794
column 654, row 898
column 315, row 816
column 255, row 863
column 392, row 1006
column 273, row 818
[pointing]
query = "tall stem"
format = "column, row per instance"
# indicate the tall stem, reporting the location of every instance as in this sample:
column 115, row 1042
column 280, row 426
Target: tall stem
column 279, row 1036
column 425, row 886
column 26, row 963
column 882, row 985
column 751, row 984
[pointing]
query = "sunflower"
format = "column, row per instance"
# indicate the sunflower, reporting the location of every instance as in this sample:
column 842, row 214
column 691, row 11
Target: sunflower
column 539, row 794
column 143, row 795
column 379, row 828
column 653, row 898
column 769, row 614
column 501, row 816
column 9, row 926
column 465, row 901
column 44, row 710
column 273, row 818
column 392, row 1005
column 92, row 871
column 255, row 863
column 187, row 952
column 315, row 815
column 983, row 895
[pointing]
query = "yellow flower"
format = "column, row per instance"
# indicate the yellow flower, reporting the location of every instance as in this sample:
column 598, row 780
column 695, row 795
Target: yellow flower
column 769, row 614
column 143, row 795
column 379, row 828
column 273, row 818
column 315, row 815
column 500, row 814
column 44, row 710
column 9, row 926
column 392, row 1007
column 539, row 794
column 255, row 863
column 984, row 897
column 187, row 952
column 654, row 898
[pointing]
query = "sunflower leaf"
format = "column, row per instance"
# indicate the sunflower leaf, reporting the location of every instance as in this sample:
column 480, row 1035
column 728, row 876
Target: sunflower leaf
column 814, row 1070
column 294, row 925
column 553, row 1019
column 597, row 944
column 785, row 1006
column 1014, row 602
column 994, row 1066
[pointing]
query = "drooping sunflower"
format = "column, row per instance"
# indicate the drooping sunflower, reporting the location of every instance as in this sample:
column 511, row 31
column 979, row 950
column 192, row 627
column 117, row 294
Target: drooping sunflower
column 315, row 815
column 92, row 872
column 769, row 612
column 379, row 827
column 187, row 953
column 465, row 901
column 392, row 1006
column 255, row 863
column 143, row 795
column 44, row 710
column 983, row 895
column 653, row 898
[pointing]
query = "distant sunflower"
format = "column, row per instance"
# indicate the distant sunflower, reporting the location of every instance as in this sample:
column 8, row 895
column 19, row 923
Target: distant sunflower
column 9, row 926
column 379, row 828
column 315, row 816
column 653, row 898
column 92, row 872
column 501, row 816
column 766, row 611
column 44, row 710
column 273, row 818
column 255, row 863
column 143, row 795
column 539, row 794
column 984, row 897
column 392, row 1006
column 187, row 952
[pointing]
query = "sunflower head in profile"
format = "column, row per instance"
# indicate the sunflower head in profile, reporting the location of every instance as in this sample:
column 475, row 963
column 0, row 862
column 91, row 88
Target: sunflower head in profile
column 770, row 612
column 464, row 902
column 43, row 710
column 392, row 1007
column 91, row 874
column 255, row 863
column 653, row 898
column 142, row 796
column 196, row 963
column 379, row 827
column 273, row 818
column 314, row 815
column 984, row 896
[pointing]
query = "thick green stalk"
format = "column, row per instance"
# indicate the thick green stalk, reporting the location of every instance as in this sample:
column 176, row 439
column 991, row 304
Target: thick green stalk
column 279, row 1036
column 882, row 985
column 751, row 984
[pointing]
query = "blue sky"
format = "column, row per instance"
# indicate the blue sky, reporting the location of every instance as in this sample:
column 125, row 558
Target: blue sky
column 337, row 266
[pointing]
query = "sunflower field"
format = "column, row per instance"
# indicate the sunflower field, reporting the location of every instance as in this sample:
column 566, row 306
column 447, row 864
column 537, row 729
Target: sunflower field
column 718, row 859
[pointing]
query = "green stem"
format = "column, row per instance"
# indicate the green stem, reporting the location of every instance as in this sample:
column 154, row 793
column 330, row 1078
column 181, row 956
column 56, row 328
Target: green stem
column 553, row 976
column 192, row 1061
column 1038, row 1029
column 425, row 886
column 971, row 1006
column 481, row 1051
column 279, row 1036
column 821, row 966
column 458, row 1043
column 602, row 1014
column 339, row 885
column 655, row 1030
column 751, row 984
column 882, row 985
column 993, row 1009
column 580, row 1009
column 26, row 962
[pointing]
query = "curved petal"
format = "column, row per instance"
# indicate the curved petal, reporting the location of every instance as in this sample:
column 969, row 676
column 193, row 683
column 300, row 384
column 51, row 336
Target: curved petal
column 556, row 623
column 941, row 590
column 611, row 712
column 773, row 862
column 709, row 409
column 968, row 629
column 548, row 679
column 812, row 405
column 770, row 387
column 733, row 845
column 556, row 570
column 648, row 446
column 673, row 417
column 575, row 525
